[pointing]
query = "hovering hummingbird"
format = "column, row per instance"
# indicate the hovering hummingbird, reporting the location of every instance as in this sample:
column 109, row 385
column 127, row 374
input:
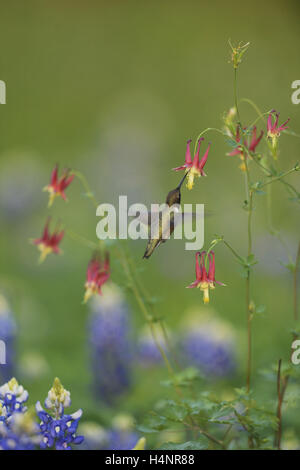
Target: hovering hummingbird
column 162, row 224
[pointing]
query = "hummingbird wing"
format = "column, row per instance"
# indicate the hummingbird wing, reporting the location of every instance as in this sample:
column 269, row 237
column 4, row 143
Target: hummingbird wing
column 188, row 220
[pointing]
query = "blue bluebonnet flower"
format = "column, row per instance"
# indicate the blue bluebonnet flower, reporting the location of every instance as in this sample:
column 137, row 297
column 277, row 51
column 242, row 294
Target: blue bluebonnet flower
column 148, row 354
column 110, row 344
column 122, row 435
column 209, row 345
column 58, row 430
column 19, row 432
column 7, row 335
column 12, row 399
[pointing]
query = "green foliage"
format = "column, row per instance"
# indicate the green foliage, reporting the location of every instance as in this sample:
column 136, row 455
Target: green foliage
column 201, row 444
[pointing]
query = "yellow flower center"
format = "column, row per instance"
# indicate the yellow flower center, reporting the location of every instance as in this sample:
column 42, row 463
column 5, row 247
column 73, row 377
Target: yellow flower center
column 45, row 251
column 190, row 178
column 91, row 289
column 204, row 286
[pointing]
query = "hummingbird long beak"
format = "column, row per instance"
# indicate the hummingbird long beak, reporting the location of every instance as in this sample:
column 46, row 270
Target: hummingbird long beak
column 182, row 180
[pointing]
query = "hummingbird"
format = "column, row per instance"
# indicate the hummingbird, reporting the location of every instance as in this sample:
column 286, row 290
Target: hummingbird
column 166, row 223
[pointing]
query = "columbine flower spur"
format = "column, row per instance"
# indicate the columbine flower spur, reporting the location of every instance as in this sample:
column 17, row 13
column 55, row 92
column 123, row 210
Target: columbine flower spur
column 58, row 185
column 58, row 430
column 274, row 130
column 204, row 280
column 98, row 272
column 250, row 146
column 48, row 243
column 193, row 167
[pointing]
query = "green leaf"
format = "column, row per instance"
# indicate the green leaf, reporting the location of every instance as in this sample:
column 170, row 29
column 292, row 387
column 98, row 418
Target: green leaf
column 232, row 143
column 174, row 411
column 153, row 423
column 184, row 378
column 201, row 444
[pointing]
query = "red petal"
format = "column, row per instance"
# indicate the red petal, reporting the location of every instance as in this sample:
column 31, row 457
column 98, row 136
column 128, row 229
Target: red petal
column 54, row 176
column 204, row 159
column 188, row 158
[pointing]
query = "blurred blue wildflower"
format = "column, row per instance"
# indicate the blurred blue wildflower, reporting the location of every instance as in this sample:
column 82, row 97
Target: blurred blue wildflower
column 122, row 436
column 12, row 399
column 7, row 335
column 58, row 430
column 208, row 344
column 19, row 195
column 148, row 354
column 110, row 344
column 20, row 432
column 95, row 436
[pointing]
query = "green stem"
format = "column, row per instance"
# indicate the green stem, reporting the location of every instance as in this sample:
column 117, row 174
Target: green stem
column 281, row 389
column 269, row 173
column 235, row 96
column 236, row 255
column 158, row 320
column 279, row 177
column 144, row 309
column 204, row 132
column 206, row 434
column 79, row 238
column 295, row 284
column 248, row 309
column 86, row 186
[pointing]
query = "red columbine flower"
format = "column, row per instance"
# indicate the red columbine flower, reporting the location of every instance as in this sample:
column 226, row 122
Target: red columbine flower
column 273, row 128
column 98, row 272
column 58, row 185
column 194, row 167
column 204, row 280
column 49, row 243
column 250, row 145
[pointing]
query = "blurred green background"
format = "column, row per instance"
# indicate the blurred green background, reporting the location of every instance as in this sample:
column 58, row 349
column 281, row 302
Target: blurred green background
column 114, row 89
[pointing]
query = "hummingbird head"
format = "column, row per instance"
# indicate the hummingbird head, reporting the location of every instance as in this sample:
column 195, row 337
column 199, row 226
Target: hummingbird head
column 174, row 196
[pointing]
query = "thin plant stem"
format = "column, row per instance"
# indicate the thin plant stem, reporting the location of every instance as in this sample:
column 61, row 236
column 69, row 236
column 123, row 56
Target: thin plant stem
column 283, row 383
column 279, row 177
column 248, row 309
column 79, row 238
column 144, row 310
column 206, row 434
column 204, row 132
column 281, row 389
column 249, row 193
column 86, row 187
column 295, row 284
column 235, row 95
column 158, row 320
column 239, row 258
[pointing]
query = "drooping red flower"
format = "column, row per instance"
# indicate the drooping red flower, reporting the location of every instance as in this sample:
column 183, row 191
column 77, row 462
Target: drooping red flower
column 98, row 272
column 48, row 243
column 272, row 127
column 58, row 185
column 249, row 144
column 194, row 167
column 204, row 280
